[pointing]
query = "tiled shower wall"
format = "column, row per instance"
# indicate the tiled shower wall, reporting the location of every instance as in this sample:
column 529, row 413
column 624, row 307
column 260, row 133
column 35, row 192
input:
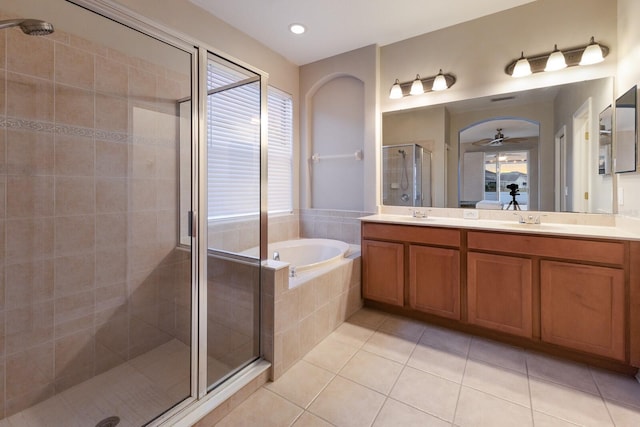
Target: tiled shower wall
column 89, row 269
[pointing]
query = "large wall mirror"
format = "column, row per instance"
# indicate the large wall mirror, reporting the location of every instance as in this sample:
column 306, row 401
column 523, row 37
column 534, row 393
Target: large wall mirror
column 625, row 130
column 530, row 150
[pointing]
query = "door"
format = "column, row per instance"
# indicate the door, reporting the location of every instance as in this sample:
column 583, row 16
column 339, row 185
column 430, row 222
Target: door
column 434, row 280
column 383, row 272
column 499, row 293
column 233, row 198
column 594, row 322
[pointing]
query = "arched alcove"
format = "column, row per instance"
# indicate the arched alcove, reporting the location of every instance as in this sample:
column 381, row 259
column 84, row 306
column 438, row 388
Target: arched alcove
column 337, row 118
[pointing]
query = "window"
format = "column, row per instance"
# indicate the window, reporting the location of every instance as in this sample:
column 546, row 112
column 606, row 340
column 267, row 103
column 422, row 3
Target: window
column 233, row 130
column 280, row 153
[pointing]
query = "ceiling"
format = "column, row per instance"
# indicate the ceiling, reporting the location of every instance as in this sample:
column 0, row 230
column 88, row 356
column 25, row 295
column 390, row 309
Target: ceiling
column 338, row 26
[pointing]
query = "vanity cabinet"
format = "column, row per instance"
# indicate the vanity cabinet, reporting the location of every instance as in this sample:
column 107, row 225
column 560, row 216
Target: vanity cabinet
column 583, row 307
column 573, row 296
column 499, row 293
column 418, row 267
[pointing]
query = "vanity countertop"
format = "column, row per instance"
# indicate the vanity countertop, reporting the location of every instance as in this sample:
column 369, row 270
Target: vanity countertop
column 509, row 226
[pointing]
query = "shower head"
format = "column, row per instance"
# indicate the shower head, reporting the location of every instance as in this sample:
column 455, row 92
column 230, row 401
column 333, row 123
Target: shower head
column 403, row 153
column 32, row 27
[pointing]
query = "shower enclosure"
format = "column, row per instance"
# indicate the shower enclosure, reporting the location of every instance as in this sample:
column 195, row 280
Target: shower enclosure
column 406, row 175
column 121, row 301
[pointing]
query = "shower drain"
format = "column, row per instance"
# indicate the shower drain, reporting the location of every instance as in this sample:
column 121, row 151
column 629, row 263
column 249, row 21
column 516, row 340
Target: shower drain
column 109, row 422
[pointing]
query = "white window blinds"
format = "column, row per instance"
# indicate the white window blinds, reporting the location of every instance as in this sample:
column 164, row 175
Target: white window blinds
column 233, row 138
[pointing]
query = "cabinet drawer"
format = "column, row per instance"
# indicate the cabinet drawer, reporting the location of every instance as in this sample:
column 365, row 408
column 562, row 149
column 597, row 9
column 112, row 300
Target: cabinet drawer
column 412, row 234
column 579, row 250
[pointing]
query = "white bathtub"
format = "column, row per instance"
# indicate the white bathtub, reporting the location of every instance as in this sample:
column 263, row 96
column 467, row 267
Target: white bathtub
column 307, row 254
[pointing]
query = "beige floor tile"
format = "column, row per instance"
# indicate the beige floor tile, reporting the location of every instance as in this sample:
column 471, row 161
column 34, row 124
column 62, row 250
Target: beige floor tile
column 502, row 383
column 368, row 318
column 561, row 372
column 623, row 415
column 618, row 387
column 307, row 419
column 479, row 409
column 331, row 354
column 262, row 408
column 569, row 404
column 427, row 392
column 543, row 420
column 443, row 363
column 302, row 383
column 392, row 347
column 402, row 327
column 446, row 339
column 346, row 404
column 502, row 355
column 352, row 334
column 373, row 371
column 394, row 414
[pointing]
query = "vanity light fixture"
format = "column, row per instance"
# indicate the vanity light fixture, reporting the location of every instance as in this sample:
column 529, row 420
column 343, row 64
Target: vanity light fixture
column 421, row 85
column 588, row 54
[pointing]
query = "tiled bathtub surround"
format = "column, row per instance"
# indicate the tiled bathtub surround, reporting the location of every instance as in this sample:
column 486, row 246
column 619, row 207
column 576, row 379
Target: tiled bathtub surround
column 296, row 319
column 330, row 224
column 89, row 269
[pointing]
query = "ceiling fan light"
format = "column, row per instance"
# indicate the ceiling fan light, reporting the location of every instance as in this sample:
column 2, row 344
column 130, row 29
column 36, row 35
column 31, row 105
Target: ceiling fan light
column 416, row 87
column 440, row 82
column 396, row 91
column 522, row 67
column 592, row 54
column 556, row 60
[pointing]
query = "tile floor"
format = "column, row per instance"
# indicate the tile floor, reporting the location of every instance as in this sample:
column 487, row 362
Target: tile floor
column 381, row 370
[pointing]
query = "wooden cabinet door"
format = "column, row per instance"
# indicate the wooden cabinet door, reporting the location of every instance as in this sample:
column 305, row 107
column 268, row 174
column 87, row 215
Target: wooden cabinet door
column 582, row 307
column 499, row 294
column 434, row 280
column 383, row 271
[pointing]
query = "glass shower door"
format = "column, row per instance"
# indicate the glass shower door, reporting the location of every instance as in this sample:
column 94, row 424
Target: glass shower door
column 97, row 279
column 233, row 123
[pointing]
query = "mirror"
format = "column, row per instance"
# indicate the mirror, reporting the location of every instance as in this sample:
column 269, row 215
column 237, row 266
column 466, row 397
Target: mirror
column 626, row 132
column 539, row 139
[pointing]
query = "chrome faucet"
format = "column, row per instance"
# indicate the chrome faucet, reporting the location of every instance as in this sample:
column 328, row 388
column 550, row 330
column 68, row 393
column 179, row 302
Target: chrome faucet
column 276, row 256
column 418, row 214
column 528, row 219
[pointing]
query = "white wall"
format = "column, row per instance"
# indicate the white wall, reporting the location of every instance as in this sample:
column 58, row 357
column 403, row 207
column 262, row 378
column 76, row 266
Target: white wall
column 628, row 76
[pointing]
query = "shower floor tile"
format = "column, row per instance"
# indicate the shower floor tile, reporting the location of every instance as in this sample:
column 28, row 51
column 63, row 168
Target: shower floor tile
column 135, row 391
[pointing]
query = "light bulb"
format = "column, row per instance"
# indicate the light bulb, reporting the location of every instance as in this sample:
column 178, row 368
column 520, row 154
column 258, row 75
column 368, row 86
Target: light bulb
column 396, row 91
column 439, row 83
column 556, row 60
column 522, row 67
column 592, row 54
column 416, row 86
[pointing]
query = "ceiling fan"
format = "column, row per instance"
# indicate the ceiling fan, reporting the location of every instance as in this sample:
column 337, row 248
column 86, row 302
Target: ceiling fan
column 498, row 140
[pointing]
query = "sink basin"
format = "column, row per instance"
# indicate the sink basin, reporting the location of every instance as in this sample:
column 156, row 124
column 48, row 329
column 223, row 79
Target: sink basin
column 534, row 227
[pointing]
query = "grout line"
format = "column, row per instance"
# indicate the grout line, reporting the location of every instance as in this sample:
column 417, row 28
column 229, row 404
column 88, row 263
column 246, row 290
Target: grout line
column 604, row 401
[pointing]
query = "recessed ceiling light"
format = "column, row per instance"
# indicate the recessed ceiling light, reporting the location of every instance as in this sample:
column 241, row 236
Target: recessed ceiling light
column 297, row 28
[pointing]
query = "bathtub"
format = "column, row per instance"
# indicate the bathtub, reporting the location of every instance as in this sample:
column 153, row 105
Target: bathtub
column 305, row 255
